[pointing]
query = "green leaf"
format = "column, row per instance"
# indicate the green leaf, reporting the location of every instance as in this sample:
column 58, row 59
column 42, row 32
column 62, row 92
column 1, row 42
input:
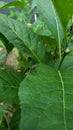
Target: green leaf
column 9, row 85
column 65, row 10
column 22, row 37
column 40, row 28
column 6, row 43
column 68, row 61
column 50, row 16
column 3, row 53
column 46, row 98
column 12, row 4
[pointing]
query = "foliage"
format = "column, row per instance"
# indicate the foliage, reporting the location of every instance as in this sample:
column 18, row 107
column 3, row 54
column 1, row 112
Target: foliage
column 38, row 94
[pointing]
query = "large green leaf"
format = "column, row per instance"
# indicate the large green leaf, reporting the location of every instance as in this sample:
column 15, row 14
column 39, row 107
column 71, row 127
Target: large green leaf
column 48, row 12
column 22, row 37
column 9, row 85
column 46, row 97
column 65, row 10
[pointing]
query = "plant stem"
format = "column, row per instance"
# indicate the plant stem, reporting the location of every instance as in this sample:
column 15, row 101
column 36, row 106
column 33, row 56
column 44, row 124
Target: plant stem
column 62, row 60
column 65, row 53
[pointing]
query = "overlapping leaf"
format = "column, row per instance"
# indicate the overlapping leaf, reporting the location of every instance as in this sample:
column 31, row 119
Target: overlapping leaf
column 48, row 12
column 6, row 43
column 46, row 97
column 12, row 4
column 22, row 37
column 9, row 85
column 65, row 10
column 40, row 28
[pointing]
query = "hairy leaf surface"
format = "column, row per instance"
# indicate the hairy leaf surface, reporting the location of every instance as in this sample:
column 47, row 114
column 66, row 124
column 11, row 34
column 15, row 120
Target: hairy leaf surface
column 46, row 97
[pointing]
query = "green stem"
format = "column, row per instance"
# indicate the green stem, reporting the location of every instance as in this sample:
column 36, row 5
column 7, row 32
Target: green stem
column 62, row 60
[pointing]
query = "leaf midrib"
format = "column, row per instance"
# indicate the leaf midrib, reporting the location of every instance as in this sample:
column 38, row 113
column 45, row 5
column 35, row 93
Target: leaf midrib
column 64, row 104
column 25, row 44
column 57, row 26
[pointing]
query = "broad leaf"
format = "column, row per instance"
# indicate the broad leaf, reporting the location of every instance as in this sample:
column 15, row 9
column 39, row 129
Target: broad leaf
column 22, row 37
column 65, row 10
column 12, row 4
column 46, row 97
column 9, row 85
column 48, row 12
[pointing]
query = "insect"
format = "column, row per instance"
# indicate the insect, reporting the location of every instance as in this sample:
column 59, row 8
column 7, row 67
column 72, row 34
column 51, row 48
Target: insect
column 34, row 14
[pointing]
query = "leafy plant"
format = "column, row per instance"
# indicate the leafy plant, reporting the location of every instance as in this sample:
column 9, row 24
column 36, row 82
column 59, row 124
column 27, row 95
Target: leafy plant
column 39, row 93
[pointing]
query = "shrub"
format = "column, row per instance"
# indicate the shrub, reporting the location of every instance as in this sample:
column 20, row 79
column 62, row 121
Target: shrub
column 39, row 94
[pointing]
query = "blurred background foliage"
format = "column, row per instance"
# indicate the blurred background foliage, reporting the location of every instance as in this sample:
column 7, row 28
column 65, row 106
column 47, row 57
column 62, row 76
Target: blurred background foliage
column 20, row 12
